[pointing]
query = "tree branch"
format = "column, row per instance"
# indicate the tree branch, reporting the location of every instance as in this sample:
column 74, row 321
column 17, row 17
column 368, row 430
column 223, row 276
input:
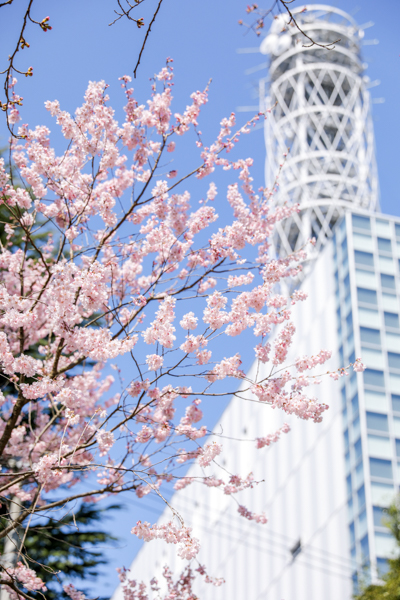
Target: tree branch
column 145, row 38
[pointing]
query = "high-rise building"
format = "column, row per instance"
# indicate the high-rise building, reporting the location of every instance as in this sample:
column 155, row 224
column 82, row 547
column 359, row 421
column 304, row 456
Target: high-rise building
column 366, row 251
column 324, row 485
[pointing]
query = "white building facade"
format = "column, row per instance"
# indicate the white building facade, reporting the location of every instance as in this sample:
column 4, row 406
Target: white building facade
column 323, row 486
column 303, row 489
column 366, row 249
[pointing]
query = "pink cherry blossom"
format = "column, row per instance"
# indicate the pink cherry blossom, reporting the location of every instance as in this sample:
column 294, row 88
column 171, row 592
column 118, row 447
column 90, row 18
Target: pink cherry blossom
column 209, row 453
column 189, row 321
column 105, row 440
column 154, row 361
column 272, row 437
column 188, row 546
column 27, row 577
column 127, row 249
column 258, row 518
column 73, row 593
column 358, row 366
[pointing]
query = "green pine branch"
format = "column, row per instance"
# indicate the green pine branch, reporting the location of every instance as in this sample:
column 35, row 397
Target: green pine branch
column 390, row 587
column 69, row 550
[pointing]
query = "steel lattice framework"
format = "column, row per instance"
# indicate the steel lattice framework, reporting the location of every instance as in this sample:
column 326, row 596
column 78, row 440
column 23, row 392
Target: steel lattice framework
column 322, row 115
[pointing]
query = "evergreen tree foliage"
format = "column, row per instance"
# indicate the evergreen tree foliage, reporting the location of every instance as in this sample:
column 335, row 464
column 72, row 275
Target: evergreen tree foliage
column 68, row 550
column 390, row 587
column 65, row 549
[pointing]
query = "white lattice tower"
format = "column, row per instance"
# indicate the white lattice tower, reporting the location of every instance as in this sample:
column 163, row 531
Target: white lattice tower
column 322, row 115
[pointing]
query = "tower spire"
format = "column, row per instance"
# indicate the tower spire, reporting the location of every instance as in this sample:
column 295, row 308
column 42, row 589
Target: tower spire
column 321, row 114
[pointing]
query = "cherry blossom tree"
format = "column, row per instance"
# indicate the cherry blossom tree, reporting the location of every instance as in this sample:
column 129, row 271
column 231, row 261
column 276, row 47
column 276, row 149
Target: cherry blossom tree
column 133, row 263
column 141, row 13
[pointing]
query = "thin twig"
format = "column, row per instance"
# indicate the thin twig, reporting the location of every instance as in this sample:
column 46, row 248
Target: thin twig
column 262, row 14
column 125, row 13
column 312, row 43
column 145, row 38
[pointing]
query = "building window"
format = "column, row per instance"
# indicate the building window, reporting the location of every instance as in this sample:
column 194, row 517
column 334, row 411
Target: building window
column 363, row 241
column 353, row 383
column 367, row 296
column 360, row 222
column 398, row 447
column 362, row 527
column 381, row 468
column 345, row 266
column 350, row 342
column 393, row 342
column 346, row 440
column 356, row 428
column 366, row 279
column 370, row 336
column 350, row 509
column 391, row 320
column 337, row 278
column 354, row 579
column 397, row 228
column 379, row 445
column 364, row 548
column 346, row 284
column 373, row 377
column 359, row 478
column 376, row 401
column 354, row 405
column 384, row 245
column 379, row 515
column 361, row 497
column 382, row 566
column 343, row 394
column 352, row 533
column 349, row 322
column 386, row 264
column 388, row 282
column 341, row 356
column 347, row 461
column 344, row 413
column 396, row 402
column 394, row 360
column 385, row 544
column 369, row 317
column 382, row 227
column 377, row 421
column 363, row 259
column 373, row 357
column 394, row 379
column 358, row 449
column 382, row 493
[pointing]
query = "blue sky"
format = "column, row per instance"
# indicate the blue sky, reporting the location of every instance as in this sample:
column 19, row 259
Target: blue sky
column 203, row 39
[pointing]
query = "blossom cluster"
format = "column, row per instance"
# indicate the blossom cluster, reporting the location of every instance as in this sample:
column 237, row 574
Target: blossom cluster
column 179, row 589
column 258, row 518
column 26, row 576
column 188, row 546
column 272, row 437
column 118, row 260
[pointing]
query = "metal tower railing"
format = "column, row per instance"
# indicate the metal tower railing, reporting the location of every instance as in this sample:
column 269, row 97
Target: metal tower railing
column 322, row 115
